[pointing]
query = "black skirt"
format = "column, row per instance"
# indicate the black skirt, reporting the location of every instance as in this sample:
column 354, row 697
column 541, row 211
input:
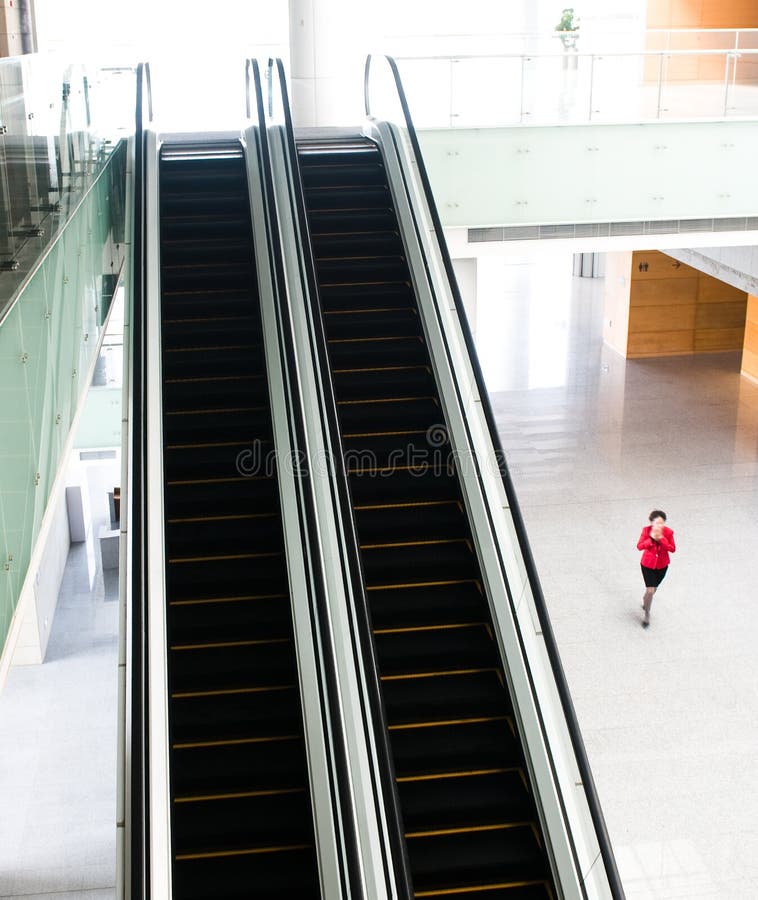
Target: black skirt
column 653, row 577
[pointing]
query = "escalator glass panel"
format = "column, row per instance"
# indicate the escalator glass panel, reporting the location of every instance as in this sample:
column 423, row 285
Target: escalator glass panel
column 469, row 814
column 241, row 817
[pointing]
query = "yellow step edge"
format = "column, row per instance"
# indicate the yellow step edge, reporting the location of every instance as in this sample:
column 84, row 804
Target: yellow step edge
column 468, row 829
column 442, row 673
column 206, row 349
column 240, row 598
column 216, row 411
column 363, row 434
column 230, row 518
column 228, row 692
column 330, row 285
column 482, row 888
column 445, row 627
column 206, row 319
column 419, row 467
column 443, row 723
column 382, row 400
column 376, row 340
column 381, row 369
column 411, row 505
column 440, row 776
column 419, row 584
column 239, row 795
column 212, row 378
column 249, row 851
column 185, row 481
column 373, row 309
column 208, row 444
column 217, row 645
column 416, row 543
column 235, row 742
column 175, row 560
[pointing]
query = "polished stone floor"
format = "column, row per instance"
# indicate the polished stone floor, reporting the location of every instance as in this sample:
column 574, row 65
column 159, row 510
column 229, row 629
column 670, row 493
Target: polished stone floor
column 669, row 715
column 58, row 750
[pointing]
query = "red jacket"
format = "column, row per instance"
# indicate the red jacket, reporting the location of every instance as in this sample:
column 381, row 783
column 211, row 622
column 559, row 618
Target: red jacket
column 656, row 553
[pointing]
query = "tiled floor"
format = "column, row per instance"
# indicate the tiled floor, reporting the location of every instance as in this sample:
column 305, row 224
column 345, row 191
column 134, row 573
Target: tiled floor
column 58, row 752
column 669, row 715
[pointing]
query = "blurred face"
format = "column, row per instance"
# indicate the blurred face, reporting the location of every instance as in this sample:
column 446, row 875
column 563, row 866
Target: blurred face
column 658, row 522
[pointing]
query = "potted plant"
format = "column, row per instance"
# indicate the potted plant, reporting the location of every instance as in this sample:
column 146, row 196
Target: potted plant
column 567, row 28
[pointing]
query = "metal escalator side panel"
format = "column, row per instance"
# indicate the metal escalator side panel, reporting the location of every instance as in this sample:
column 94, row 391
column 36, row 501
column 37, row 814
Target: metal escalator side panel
column 241, row 816
column 157, row 725
column 364, row 791
column 561, row 800
column 301, row 542
column 470, row 819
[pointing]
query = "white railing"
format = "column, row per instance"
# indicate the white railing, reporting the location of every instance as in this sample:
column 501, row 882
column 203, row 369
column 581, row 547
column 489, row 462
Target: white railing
column 574, row 88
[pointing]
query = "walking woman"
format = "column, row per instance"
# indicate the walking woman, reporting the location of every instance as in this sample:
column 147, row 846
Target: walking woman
column 656, row 542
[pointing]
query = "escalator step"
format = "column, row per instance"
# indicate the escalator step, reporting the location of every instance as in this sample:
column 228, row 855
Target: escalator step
column 372, row 323
column 227, row 618
column 349, row 197
column 273, row 760
column 469, row 813
column 460, row 645
column 443, row 694
column 461, row 798
column 245, row 713
column 499, row 853
column 241, row 808
column 484, row 742
column 270, row 816
column 281, row 873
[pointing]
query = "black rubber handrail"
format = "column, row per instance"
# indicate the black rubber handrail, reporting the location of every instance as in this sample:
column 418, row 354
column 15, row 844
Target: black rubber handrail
column 308, row 518
column 138, row 799
column 400, row 873
column 551, row 646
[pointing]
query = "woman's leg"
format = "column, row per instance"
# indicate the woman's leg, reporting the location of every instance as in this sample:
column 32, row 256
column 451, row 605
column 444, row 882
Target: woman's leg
column 647, row 600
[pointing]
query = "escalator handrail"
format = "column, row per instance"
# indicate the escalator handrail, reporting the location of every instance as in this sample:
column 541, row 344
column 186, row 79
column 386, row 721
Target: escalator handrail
column 551, row 646
column 391, row 802
column 302, row 471
column 138, row 837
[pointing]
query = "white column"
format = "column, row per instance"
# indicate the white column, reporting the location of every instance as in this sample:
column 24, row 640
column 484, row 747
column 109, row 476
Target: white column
column 329, row 40
column 466, row 275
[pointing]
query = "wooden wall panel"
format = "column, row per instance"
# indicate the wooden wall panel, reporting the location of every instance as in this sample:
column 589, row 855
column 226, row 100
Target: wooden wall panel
column 700, row 14
column 660, row 343
column 662, row 318
column 711, row 340
column 721, row 315
column 676, row 309
column 750, row 347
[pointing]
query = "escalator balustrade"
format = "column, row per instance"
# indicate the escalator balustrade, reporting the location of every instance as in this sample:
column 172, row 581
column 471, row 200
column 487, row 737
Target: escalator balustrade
column 241, row 817
column 469, row 814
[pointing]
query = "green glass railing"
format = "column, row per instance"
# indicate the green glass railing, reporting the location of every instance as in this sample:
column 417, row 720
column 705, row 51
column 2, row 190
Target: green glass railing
column 48, row 341
column 59, row 124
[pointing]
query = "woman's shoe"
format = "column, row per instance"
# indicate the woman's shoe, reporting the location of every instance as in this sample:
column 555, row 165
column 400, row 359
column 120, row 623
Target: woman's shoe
column 646, row 620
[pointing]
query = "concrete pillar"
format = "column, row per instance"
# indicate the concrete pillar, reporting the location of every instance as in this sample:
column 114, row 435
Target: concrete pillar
column 616, row 306
column 329, row 40
column 465, row 275
column 17, row 32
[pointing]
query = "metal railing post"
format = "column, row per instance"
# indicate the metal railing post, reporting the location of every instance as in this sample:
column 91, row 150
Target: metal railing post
column 660, row 86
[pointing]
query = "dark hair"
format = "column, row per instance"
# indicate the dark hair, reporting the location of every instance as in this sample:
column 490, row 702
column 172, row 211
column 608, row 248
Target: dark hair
column 655, row 514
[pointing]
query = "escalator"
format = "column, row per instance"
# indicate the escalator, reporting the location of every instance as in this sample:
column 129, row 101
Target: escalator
column 470, row 819
column 241, row 817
